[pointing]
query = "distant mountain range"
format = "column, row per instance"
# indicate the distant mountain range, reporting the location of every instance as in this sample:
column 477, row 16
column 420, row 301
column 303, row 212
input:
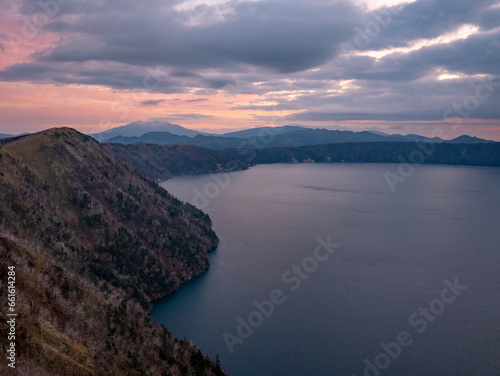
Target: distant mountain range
column 139, row 128
column 265, row 137
column 165, row 133
column 2, row 135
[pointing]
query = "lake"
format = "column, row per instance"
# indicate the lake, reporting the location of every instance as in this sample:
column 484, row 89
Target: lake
column 323, row 270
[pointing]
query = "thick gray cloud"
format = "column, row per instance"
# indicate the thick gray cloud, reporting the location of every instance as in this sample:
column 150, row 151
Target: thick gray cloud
column 287, row 52
column 116, row 76
column 280, row 35
column 489, row 18
column 478, row 54
column 425, row 19
column 28, row 72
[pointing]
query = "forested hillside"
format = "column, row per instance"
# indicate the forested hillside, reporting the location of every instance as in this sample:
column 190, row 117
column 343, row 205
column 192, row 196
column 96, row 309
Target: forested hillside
column 93, row 242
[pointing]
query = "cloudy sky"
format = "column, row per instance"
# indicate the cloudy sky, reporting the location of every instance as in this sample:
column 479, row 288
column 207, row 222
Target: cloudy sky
column 400, row 67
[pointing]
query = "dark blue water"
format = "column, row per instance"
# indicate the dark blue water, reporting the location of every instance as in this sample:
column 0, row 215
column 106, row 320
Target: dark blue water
column 383, row 285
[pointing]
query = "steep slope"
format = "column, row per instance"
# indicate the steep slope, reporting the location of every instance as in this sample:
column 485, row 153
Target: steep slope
column 161, row 162
column 93, row 242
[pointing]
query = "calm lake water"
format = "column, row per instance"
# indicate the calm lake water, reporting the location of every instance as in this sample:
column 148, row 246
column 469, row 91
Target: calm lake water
column 331, row 316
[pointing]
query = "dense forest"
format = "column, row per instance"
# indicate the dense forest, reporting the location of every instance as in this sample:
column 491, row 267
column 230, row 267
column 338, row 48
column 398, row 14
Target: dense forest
column 161, row 162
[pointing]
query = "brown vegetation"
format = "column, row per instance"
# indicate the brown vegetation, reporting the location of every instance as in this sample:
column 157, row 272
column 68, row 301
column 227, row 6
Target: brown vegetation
column 93, row 242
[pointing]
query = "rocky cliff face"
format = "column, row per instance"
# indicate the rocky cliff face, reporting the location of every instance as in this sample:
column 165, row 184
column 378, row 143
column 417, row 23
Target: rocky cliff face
column 93, row 242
